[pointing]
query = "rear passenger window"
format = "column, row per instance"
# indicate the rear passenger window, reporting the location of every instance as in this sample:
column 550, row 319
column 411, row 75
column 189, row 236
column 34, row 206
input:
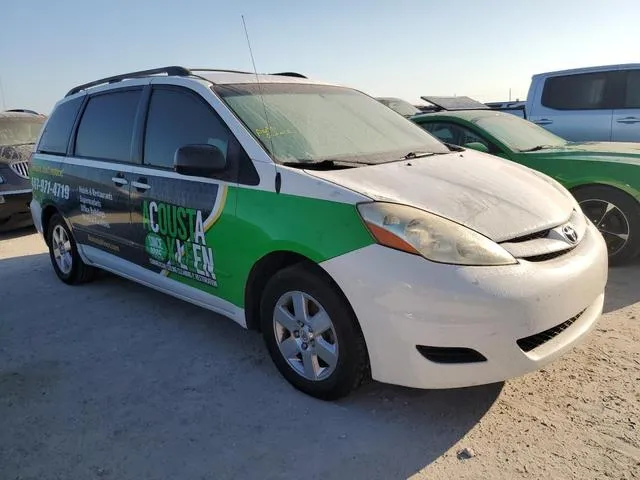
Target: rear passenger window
column 632, row 94
column 177, row 118
column 588, row 91
column 106, row 128
column 57, row 131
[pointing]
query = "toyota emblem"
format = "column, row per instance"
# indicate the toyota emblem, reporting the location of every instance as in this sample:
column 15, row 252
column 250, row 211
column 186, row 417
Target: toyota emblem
column 570, row 233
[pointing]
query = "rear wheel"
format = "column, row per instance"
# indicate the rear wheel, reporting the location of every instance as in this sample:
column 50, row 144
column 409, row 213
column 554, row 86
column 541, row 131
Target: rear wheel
column 312, row 334
column 63, row 252
column 617, row 216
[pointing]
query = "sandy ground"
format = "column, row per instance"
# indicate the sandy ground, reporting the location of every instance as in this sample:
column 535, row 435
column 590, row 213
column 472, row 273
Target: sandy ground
column 112, row 380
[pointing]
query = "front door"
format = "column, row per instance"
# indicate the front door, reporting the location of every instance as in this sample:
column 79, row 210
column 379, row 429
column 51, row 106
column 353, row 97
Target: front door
column 626, row 120
column 175, row 217
column 99, row 173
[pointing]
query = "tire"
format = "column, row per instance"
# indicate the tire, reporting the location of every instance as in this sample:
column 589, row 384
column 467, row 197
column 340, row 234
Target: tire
column 72, row 270
column 615, row 214
column 341, row 335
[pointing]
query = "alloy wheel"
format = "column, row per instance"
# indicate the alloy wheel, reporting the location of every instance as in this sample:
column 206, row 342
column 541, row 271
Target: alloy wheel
column 61, row 246
column 305, row 335
column 610, row 221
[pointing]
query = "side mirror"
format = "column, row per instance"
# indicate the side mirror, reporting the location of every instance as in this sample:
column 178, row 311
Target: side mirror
column 199, row 160
column 480, row 147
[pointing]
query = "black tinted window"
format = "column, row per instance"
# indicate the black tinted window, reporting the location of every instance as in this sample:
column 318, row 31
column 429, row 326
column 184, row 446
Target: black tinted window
column 177, row 118
column 632, row 94
column 586, row 91
column 106, row 127
column 55, row 136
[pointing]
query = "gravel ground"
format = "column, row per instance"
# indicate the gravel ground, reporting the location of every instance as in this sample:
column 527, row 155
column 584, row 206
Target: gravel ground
column 115, row 381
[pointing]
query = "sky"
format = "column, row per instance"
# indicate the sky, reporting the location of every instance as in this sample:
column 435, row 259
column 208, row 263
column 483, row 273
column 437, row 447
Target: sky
column 401, row 48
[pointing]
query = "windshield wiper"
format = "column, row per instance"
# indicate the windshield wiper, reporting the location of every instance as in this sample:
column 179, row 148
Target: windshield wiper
column 536, row 148
column 325, row 164
column 411, row 155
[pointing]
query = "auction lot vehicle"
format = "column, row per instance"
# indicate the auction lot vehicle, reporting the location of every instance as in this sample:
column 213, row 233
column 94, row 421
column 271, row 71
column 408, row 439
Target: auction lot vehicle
column 586, row 104
column 403, row 107
column 18, row 134
column 357, row 243
column 603, row 176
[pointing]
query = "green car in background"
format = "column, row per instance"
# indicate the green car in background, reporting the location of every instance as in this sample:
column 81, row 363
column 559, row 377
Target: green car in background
column 603, row 177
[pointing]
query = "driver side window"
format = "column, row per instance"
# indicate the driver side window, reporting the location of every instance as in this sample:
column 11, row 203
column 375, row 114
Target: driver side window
column 177, row 118
column 457, row 135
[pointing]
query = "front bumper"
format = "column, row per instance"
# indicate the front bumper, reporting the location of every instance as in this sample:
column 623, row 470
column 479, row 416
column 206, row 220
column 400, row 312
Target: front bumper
column 403, row 301
column 14, row 210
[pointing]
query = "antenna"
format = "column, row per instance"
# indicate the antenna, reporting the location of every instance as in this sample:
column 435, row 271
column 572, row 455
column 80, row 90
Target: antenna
column 255, row 70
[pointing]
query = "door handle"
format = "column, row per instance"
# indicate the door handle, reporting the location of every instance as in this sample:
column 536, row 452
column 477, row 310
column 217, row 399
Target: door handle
column 628, row 120
column 141, row 184
column 119, row 180
column 543, row 121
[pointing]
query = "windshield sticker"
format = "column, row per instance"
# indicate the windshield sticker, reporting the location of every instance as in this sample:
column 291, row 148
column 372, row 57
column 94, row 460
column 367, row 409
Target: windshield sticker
column 268, row 132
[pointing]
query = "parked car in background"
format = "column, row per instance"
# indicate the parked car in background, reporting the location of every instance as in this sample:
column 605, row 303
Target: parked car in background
column 357, row 243
column 515, row 108
column 19, row 131
column 586, row 104
column 604, row 177
column 403, row 107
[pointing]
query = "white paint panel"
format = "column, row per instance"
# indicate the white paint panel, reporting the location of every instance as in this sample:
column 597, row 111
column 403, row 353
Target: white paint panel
column 496, row 197
column 131, row 271
column 403, row 300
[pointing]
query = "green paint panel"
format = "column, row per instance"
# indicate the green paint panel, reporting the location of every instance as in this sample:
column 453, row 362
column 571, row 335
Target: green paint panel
column 255, row 223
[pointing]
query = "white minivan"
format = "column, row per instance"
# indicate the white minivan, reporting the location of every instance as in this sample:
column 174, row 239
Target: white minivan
column 358, row 244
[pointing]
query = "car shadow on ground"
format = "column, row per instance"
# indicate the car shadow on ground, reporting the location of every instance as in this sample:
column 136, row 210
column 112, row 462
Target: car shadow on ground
column 132, row 383
column 623, row 287
column 20, row 232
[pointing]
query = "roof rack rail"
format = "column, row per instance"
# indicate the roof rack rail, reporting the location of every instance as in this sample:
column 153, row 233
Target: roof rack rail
column 284, row 74
column 172, row 70
column 290, row 74
column 22, row 110
column 219, row 70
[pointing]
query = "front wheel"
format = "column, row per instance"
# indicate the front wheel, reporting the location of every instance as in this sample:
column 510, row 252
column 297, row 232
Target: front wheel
column 617, row 216
column 63, row 252
column 312, row 334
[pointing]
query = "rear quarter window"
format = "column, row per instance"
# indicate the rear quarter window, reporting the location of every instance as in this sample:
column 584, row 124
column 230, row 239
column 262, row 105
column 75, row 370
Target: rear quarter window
column 56, row 133
column 106, row 128
column 585, row 91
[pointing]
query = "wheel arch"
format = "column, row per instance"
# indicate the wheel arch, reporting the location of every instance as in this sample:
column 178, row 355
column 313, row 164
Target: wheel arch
column 265, row 268
column 48, row 211
column 621, row 187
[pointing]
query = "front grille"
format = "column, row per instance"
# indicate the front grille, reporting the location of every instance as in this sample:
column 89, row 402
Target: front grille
column 531, row 236
column 534, row 341
column 450, row 354
column 546, row 256
column 20, row 168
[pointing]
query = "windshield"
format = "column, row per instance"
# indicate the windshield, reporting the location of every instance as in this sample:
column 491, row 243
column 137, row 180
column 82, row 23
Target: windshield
column 400, row 106
column 519, row 134
column 312, row 123
column 19, row 130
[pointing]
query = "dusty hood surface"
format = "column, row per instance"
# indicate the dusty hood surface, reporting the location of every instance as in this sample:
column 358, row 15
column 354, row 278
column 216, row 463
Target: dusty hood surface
column 622, row 152
column 495, row 197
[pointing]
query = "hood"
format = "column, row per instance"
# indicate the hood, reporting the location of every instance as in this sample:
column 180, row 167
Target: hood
column 495, row 197
column 15, row 153
column 624, row 152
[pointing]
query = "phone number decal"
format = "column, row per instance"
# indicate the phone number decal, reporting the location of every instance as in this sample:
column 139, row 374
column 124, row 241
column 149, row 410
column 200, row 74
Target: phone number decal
column 48, row 187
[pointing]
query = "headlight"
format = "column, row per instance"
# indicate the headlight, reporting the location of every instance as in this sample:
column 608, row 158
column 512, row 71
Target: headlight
column 435, row 238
